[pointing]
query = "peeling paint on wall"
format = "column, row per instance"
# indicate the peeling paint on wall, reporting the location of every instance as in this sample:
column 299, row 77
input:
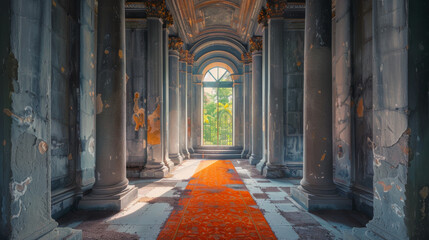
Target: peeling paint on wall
column 154, row 127
column 139, row 114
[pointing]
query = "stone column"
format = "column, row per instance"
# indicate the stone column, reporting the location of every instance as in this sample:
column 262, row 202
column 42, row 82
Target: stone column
column 238, row 108
column 275, row 166
column 111, row 190
column 174, row 46
column 256, row 143
column 155, row 166
column 166, row 121
column 263, row 19
column 183, row 70
column 247, row 81
column 317, row 190
column 342, row 95
column 189, row 97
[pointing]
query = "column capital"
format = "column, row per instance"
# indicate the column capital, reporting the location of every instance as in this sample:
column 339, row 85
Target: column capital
column 183, row 55
column 168, row 19
column 255, row 44
column 190, row 59
column 276, row 8
column 263, row 17
column 175, row 43
column 246, row 57
column 155, row 8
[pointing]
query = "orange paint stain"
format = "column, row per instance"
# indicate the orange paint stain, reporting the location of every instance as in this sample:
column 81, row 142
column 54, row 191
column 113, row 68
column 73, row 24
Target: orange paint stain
column 323, row 157
column 120, row 54
column 189, row 127
column 386, row 188
column 139, row 114
column 63, row 69
column 54, row 3
column 360, row 108
column 99, row 104
column 106, row 51
column 154, row 127
column 299, row 63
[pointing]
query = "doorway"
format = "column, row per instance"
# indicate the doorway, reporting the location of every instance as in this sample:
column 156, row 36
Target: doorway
column 218, row 107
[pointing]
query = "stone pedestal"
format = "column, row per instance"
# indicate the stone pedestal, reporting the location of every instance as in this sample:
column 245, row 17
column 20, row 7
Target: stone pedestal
column 155, row 166
column 317, row 190
column 256, row 143
column 111, row 190
column 275, row 166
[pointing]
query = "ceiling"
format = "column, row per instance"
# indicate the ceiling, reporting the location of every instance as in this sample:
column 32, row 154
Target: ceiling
column 199, row 19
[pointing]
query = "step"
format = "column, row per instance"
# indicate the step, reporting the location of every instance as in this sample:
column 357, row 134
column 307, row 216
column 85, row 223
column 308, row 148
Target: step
column 218, row 148
column 215, row 156
column 217, row 151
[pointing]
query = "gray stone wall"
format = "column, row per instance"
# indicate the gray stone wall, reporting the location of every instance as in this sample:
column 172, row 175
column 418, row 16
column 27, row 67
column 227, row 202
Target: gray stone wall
column 293, row 36
column 136, row 56
column 64, row 102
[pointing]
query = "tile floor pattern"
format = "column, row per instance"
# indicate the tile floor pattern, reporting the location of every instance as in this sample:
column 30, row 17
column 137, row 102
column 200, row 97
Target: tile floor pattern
column 158, row 198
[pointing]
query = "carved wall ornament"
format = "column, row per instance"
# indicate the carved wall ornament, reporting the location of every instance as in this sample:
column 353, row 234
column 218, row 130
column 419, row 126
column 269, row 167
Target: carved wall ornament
column 155, row 8
column 263, row 17
column 255, row 44
column 175, row 43
column 246, row 57
column 276, row 8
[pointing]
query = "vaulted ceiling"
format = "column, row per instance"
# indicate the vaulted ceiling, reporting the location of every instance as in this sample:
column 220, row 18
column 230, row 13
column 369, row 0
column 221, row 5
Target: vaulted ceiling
column 199, row 19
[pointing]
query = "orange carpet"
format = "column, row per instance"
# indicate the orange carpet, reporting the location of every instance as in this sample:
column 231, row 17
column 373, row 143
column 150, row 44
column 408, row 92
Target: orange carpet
column 216, row 205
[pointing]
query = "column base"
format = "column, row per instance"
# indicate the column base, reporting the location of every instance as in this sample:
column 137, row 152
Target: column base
column 371, row 232
column 154, row 170
column 253, row 160
column 176, row 159
column 261, row 165
column 244, row 153
column 63, row 233
column 169, row 164
column 274, row 171
column 191, row 150
column 249, row 154
column 115, row 202
column 186, row 154
column 313, row 202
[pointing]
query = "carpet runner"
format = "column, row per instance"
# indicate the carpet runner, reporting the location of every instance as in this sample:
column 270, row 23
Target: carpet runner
column 216, row 205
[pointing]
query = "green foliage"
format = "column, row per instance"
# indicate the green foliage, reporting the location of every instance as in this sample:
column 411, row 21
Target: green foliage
column 217, row 116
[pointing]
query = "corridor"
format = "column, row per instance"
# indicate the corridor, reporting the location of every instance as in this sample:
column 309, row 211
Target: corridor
column 214, row 199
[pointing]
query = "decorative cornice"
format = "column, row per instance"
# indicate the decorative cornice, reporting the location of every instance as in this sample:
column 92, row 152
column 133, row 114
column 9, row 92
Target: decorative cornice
column 183, row 55
column 246, row 57
column 175, row 43
column 155, row 8
column 255, row 44
column 276, row 8
column 190, row 59
column 263, row 17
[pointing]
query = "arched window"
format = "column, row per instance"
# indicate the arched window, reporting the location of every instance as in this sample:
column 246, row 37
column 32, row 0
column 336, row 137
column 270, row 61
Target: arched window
column 218, row 107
